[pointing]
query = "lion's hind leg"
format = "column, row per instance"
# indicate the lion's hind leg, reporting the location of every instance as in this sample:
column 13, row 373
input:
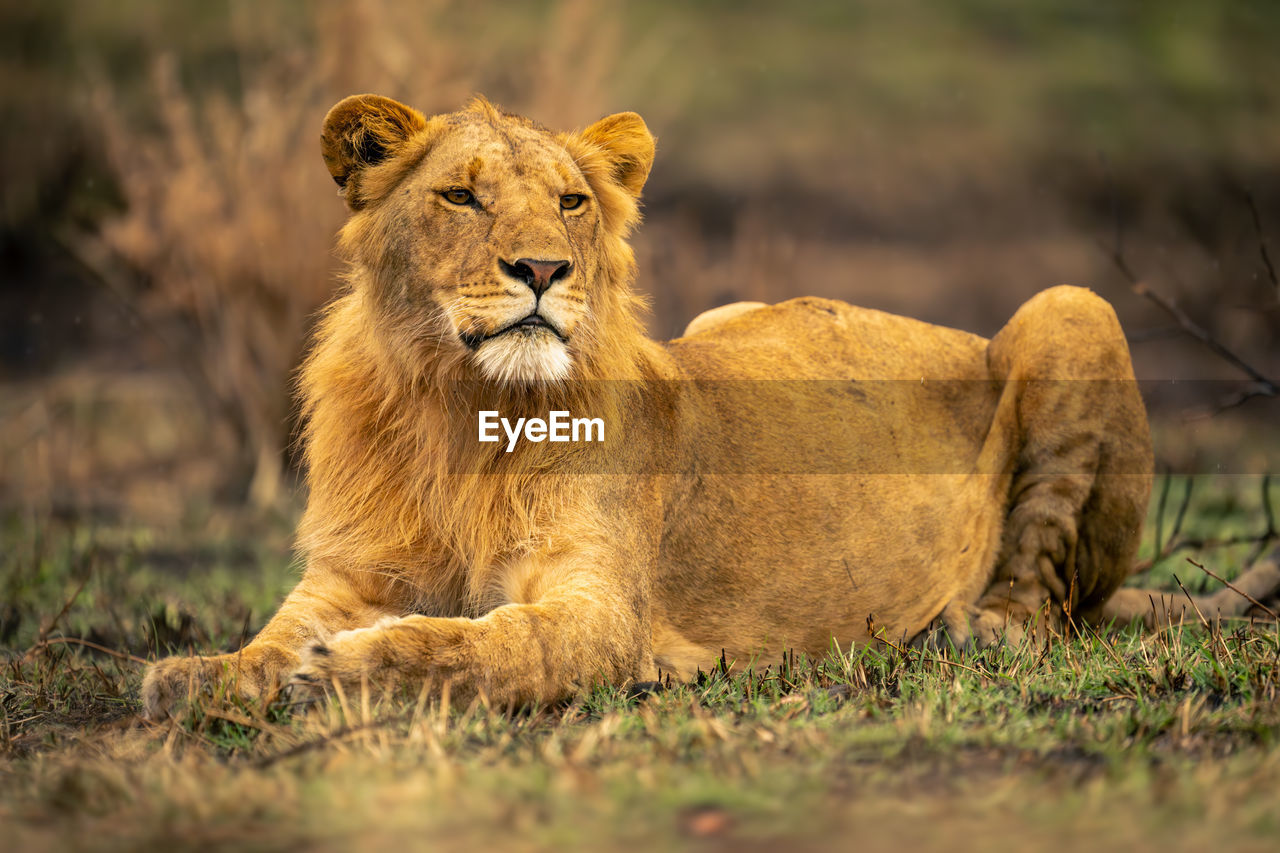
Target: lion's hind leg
column 1070, row 439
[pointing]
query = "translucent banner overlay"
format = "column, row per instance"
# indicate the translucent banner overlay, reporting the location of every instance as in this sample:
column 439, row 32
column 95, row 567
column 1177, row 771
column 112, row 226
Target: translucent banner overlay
column 860, row 427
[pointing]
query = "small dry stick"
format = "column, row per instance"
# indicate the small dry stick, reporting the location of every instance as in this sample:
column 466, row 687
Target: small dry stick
column 1166, row 547
column 1216, row 635
column 1194, row 606
column 1262, row 242
column 879, row 635
column 1255, row 602
column 76, row 641
column 1266, row 506
column 1166, row 482
column 1182, row 510
column 1263, row 387
column 44, row 632
column 1102, row 641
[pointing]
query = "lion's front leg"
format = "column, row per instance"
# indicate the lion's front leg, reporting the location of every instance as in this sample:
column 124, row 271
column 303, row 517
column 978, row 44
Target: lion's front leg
column 322, row 604
column 582, row 631
column 392, row 653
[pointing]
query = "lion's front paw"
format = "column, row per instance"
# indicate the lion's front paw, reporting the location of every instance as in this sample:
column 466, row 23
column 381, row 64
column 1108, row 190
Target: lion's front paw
column 174, row 681
column 347, row 658
column 393, row 652
column 249, row 674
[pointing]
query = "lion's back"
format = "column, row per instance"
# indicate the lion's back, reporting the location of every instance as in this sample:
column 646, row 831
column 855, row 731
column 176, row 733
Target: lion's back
column 814, row 338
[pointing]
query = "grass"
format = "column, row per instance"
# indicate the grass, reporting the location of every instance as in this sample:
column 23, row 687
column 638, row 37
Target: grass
column 1169, row 738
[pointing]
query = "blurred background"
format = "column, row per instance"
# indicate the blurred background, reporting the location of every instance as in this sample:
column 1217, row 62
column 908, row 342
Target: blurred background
column 168, row 223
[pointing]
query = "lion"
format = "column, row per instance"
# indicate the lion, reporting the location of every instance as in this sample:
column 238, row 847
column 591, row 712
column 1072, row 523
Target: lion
column 782, row 477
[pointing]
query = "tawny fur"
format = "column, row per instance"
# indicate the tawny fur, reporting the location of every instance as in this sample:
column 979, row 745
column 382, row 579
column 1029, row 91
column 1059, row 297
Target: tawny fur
column 901, row 474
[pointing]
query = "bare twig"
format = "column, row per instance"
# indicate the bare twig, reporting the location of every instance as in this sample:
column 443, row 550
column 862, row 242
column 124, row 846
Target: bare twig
column 1164, row 497
column 76, row 641
column 1262, row 386
column 878, row 634
column 1262, row 242
column 1265, row 387
column 1239, row 399
column 1105, row 645
column 1271, row 533
column 1166, row 547
column 1194, row 606
column 1259, row 540
column 1226, row 542
column 44, row 632
column 1182, row 509
column 1266, row 507
column 1255, row 602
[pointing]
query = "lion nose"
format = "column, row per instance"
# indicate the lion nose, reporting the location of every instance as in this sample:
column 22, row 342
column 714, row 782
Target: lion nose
column 539, row 275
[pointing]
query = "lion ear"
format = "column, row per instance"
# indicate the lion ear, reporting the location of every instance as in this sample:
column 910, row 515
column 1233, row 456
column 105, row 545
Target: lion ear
column 362, row 131
column 629, row 146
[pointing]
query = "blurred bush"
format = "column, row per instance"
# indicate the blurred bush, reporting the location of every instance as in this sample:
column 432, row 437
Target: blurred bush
column 223, row 244
column 171, row 215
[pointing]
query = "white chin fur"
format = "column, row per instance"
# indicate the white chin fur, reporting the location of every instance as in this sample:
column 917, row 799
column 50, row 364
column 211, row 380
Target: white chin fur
column 521, row 357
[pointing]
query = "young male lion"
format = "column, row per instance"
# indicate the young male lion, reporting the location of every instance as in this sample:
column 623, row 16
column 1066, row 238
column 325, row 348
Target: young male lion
column 782, row 477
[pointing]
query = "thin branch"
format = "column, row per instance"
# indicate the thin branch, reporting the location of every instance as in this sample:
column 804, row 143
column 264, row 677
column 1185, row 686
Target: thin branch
column 44, row 632
column 1263, row 387
column 1164, row 498
column 1266, row 387
column 878, row 634
column 1255, row 602
column 1182, row 509
column 76, row 641
column 891, row 644
column 1175, row 543
column 1259, row 540
column 1237, row 399
column 1166, row 547
column 1266, row 506
column 1194, row 606
column 1227, row 542
column 1262, row 241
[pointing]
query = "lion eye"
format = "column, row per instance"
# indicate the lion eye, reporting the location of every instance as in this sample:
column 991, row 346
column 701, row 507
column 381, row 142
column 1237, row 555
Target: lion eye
column 458, row 196
column 572, row 201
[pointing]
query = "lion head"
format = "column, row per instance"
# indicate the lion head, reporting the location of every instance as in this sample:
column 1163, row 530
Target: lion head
column 487, row 246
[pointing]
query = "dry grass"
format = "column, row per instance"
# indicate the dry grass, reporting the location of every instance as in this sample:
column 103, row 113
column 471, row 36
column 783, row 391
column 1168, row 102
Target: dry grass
column 1164, row 740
